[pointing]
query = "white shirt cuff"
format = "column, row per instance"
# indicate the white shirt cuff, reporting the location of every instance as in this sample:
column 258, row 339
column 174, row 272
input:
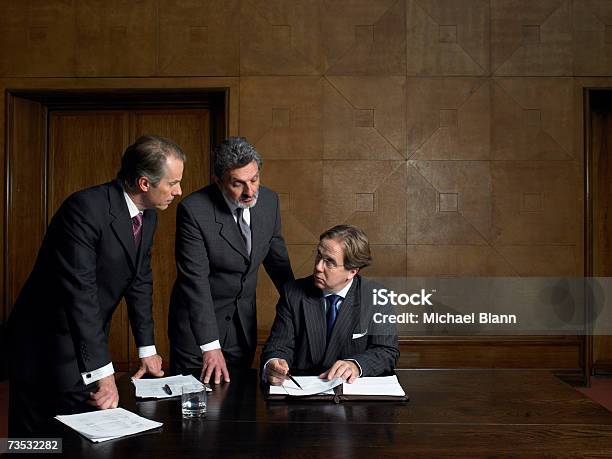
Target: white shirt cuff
column 358, row 366
column 211, row 346
column 146, row 351
column 93, row 376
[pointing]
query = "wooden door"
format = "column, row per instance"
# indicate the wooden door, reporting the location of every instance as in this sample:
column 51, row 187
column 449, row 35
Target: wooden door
column 85, row 149
column 601, row 139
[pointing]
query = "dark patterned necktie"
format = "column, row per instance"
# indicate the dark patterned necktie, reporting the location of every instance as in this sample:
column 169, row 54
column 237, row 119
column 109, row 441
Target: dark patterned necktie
column 137, row 228
column 244, row 229
column 332, row 311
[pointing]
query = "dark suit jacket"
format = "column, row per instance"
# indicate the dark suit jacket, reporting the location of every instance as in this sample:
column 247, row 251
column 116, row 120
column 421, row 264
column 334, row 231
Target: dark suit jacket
column 299, row 331
column 215, row 275
column 88, row 261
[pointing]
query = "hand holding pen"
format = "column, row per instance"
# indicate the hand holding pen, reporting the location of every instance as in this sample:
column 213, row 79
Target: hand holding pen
column 277, row 372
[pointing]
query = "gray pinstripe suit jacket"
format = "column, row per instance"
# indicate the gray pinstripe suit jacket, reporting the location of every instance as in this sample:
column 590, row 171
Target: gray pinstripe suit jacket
column 298, row 333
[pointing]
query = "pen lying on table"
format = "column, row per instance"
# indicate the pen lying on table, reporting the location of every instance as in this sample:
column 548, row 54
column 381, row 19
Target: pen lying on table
column 167, row 389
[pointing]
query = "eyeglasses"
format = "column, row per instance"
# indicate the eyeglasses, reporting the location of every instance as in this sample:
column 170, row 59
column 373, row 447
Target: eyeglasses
column 329, row 263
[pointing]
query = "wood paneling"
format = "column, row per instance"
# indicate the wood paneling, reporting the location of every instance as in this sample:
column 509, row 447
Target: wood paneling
column 601, row 141
column 75, row 138
column 190, row 130
column 85, row 149
column 198, row 40
column 26, row 192
column 116, row 37
column 365, row 82
column 38, row 38
column 559, row 353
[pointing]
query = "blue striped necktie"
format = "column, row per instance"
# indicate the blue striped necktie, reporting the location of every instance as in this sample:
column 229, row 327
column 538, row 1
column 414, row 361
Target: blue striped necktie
column 332, row 311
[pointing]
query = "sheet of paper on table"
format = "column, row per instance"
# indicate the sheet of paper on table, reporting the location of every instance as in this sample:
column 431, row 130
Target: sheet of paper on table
column 104, row 425
column 154, row 387
column 311, row 385
column 379, row 385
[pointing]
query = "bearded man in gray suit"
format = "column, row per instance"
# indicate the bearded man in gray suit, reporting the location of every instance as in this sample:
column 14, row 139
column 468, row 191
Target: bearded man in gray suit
column 325, row 324
column 224, row 232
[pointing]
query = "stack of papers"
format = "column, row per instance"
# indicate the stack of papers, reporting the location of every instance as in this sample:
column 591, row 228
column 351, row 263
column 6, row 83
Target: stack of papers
column 311, row 385
column 378, row 385
column 154, row 388
column 106, row 425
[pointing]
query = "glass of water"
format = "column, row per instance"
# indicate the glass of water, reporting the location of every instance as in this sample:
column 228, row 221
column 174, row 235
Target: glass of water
column 193, row 401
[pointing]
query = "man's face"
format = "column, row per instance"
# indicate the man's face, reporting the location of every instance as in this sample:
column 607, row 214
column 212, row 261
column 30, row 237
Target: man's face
column 161, row 195
column 241, row 185
column 329, row 271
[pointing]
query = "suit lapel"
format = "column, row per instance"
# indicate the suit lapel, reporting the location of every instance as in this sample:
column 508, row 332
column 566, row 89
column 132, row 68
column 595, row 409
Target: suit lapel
column 346, row 322
column 229, row 228
column 122, row 223
column 314, row 315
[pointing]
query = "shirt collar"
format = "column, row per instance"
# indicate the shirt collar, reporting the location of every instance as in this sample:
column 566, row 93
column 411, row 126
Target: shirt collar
column 132, row 209
column 246, row 213
column 341, row 293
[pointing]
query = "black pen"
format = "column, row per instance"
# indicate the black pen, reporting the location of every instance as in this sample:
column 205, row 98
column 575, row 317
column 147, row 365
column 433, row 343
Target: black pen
column 294, row 381
column 167, row 389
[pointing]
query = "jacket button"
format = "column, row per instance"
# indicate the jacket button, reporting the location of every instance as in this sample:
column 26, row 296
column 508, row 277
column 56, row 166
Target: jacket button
column 228, row 318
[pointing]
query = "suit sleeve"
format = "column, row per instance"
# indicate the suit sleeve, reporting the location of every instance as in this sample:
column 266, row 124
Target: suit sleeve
column 382, row 350
column 77, row 238
column 277, row 262
column 193, row 286
column 281, row 342
column 139, row 299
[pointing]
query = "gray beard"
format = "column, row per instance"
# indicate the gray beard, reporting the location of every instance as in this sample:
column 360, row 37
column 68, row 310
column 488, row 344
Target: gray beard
column 239, row 204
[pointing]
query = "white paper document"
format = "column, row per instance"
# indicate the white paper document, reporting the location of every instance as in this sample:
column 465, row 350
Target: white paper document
column 105, row 425
column 154, row 387
column 379, row 385
column 311, row 385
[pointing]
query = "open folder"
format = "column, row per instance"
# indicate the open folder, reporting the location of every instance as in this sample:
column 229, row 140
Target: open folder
column 379, row 388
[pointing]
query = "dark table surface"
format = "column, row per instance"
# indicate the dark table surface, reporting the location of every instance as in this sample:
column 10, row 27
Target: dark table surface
column 460, row 413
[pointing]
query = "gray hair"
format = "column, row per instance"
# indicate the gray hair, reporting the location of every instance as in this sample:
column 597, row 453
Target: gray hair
column 232, row 153
column 147, row 158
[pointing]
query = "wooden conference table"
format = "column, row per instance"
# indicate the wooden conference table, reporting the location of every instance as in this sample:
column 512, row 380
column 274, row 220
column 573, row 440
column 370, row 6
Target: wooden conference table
column 458, row 413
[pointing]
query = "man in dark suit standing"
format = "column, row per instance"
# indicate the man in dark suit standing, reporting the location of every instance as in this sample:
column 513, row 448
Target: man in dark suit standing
column 324, row 323
column 97, row 250
column 224, row 232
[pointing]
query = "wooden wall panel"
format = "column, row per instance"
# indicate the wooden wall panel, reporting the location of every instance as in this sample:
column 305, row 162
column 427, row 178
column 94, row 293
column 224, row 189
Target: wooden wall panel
column 562, row 354
column 26, row 192
column 280, row 38
column 448, row 38
column 592, row 24
column 197, row 40
column 37, row 38
column 601, row 142
column 190, row 129
column 364, row 37
column 116, row 37
column 85, row 150
column 531, row 38
column 318, row 91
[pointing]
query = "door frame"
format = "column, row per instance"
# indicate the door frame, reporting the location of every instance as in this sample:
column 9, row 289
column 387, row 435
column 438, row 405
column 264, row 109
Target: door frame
column 595, row 98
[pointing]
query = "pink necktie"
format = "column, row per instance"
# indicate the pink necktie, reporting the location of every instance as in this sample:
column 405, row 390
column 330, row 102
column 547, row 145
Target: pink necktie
column 137, row 228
